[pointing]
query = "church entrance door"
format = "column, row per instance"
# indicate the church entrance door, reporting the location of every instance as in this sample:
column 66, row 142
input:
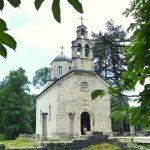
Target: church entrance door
column 85, row 123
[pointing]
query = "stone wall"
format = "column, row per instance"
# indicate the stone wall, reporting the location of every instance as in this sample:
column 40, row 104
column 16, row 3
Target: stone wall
column 55, row 68
column 41, row 148
column 76, row 144
column 29, row 136
column 45, row 101
column 2, row 146
column 74, row 100
column 67, row 96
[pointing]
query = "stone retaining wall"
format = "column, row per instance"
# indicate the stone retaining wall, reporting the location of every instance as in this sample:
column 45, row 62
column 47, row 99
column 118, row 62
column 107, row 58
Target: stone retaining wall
column 29, row 136
column 76, row 144
column 124, row 145
column 41, row 148
column 96, row 138
column 2, row 146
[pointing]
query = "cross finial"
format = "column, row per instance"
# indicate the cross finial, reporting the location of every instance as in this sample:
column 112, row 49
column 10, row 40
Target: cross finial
column 62, row 48
column 82, row 20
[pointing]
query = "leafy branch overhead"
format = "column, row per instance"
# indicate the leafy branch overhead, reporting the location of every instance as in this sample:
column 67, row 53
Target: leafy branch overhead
column 56, row 7
column 98, row 93
column 7, row 40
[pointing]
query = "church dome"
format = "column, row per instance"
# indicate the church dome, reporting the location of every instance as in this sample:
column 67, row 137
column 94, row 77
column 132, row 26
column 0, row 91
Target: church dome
column 61, row 57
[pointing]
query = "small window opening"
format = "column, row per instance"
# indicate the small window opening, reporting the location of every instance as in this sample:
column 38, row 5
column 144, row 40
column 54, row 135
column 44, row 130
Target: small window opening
column 86, row 50
column 60, row 70
column 69, row 69
column 78, row 49
column 82, row 31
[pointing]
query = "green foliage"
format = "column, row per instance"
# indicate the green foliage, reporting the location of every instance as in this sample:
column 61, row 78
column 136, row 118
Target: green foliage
column 38, row 4
column 15, row 105
column 1, row 4
column 3, row 51
column 2, row 137
column 138, row 62
column 97, row 93
column 118, row 122
column 3, row 26
column 56, row 10
column 7, row 40
column 77, row 5
column 42, row 75
column 138, row 58
column 18, row 143
column 108, row 50
column 14, row 3
column 103, row 146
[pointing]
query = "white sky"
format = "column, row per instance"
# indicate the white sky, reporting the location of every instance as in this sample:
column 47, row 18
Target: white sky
column 39, row 36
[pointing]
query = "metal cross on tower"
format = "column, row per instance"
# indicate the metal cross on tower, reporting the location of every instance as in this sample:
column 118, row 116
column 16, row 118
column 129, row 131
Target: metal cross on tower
column 62, row 48
column 82, row 20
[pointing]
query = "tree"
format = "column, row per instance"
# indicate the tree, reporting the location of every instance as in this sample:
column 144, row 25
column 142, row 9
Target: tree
column 42, row 75
column 108, row 50
column 138, row 63
column 7, row 40
column 139, row 58
column 15, row 105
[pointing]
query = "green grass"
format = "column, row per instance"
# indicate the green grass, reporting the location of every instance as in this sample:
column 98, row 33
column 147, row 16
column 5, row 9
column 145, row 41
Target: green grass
column 23, row 143
column 103, row 146
column 18, row 143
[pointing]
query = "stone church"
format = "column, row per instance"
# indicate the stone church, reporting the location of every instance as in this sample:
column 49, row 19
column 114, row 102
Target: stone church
column 64, row 108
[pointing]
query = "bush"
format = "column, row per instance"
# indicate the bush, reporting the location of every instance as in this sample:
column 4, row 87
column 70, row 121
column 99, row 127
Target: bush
column 2, row 137
column 102, row 146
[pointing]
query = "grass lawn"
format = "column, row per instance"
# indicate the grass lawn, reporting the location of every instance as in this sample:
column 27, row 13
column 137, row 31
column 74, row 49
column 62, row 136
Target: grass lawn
column 18, row 143
column 103, row 146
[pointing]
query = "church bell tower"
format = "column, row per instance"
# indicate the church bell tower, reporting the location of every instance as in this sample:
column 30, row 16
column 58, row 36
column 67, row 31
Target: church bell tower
column 82, row 53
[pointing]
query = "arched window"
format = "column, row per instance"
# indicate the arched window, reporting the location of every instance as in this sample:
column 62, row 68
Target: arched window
column 86, row 50
column 69, row 69
column 82, row 31
column 60, row 70
column 78, row 49
column 49, row 112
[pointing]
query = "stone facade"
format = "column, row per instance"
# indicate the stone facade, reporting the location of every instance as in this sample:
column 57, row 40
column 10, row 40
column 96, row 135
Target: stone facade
column 64, row 63
column 64, row 107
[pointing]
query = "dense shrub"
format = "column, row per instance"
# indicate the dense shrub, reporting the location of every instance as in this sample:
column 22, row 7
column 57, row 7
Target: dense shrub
column 2, row 137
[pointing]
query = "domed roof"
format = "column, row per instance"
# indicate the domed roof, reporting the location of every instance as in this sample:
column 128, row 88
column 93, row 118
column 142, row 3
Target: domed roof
column 61, row 57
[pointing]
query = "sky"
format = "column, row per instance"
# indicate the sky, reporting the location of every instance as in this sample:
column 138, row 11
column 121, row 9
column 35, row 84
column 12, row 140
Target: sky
column 39, row 37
